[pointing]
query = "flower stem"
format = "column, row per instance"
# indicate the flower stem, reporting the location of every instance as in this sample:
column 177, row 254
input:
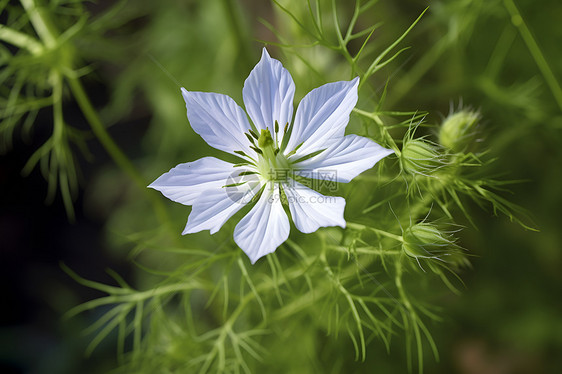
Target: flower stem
column 48, row 35
column 375, row 117
column 236, row 24
column 41, row 23
column 113, row 149
column 359, row 226
column 20, row 40
column 366, row 250
column 533, row 47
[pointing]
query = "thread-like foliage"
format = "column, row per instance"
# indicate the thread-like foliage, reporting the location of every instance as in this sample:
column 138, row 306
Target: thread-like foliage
column 334, row 293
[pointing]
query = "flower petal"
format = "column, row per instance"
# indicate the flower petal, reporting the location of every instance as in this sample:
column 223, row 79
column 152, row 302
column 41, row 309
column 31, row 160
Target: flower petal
column 219, row 121
column 322, row 114
column 268, row 94
column 343, row 160
column 265, row 227
column 214, row 207
column 311, row 210
column 185, row 182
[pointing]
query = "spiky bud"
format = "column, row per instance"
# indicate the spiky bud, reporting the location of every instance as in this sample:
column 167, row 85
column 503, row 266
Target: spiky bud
column 457, row 129
column 419, row 156
column 425, row 240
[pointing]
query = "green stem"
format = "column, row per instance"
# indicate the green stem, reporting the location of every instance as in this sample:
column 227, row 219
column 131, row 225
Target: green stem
column 375, row 117
column 48, row 34
column 500, row 53
column 107, row 142
column 533, row 47
column 236, row 24
column 354, row 225
column 20, row 40
column 59, row 145
column 400, row 287
column 40, row 23
column 57, row 109
column 365, row 250
column 411, row 78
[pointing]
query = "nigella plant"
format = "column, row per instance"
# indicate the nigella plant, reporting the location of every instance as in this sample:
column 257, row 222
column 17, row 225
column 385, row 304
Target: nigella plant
column 360, row 270
column 275, row 153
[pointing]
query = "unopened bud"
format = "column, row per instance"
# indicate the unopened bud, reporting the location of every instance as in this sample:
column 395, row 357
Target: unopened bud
column 419, row 156
column 424, row 240
column 456, row 130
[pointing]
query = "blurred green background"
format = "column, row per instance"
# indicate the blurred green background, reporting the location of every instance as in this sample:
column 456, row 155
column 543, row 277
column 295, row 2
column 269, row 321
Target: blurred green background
column 508, row 318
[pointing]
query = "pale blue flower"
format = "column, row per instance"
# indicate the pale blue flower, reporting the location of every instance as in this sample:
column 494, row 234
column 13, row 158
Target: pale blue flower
column 275, row 150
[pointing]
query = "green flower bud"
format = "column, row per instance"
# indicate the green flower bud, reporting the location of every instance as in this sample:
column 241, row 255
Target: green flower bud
column 424, row 240
column 419, row 156
column 456, row 130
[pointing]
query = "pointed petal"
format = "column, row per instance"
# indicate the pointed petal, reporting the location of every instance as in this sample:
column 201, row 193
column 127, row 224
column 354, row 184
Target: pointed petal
column 185, row 182
column 311, row 210
column 322, row 114
column 268, row 94
column 219, row 121
column 343, row 160
column 214, row 207
column 265, row 227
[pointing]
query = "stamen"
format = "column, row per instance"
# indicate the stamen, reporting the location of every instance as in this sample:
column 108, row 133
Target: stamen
column 241, row 154
column 295, row 150
column 252, row 132
column 256, row 149
column 234, row 184
column 308, row 156
column 247, row 173
column 250, row 138
column 286, row 135
column 276, row 135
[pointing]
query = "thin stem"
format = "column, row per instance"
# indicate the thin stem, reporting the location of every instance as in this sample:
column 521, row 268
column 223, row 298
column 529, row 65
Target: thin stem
column 40, row 23
column 48, row 34
column 236, row 24
column 378, row 231
column 20, row 40
column 540, row 60
column 407, row 309
column 107, row 142
column 375, row 117
column 411, row 78
column 57, row 109
column 365, row 250
column 59, row 144
column 500, row 52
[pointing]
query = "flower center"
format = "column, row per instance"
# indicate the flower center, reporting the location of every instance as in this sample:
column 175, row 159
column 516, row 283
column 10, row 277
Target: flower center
column 272, row 164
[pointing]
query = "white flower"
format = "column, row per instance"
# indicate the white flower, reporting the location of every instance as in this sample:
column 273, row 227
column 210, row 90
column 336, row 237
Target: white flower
column 275, row 151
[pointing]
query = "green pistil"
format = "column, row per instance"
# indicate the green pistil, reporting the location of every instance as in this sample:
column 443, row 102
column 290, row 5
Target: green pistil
column 267, row 146
column 272, row 164
column 265, row 140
